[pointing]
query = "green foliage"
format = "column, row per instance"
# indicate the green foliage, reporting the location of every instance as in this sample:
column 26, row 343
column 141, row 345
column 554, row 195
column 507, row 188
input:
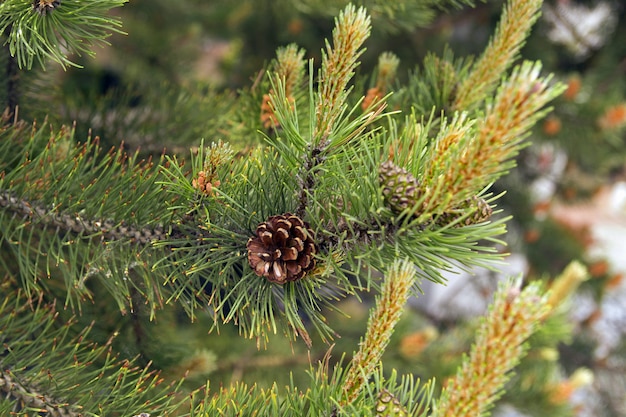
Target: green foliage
column 95, row 196
column 44, row 30
column 389, row 16
column 45, row 369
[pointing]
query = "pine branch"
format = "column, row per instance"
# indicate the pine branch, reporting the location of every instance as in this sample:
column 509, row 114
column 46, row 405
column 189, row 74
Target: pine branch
column 468, row 155
column 518, row 17
column 43, row 369
column 385, row 76
column 71, row 211
column 42, row 30
column 352, row 28
column 389, row 306
column 32, row 399
column 108, row 230
column 513, row 316
column 289, row 70
column 338, row 65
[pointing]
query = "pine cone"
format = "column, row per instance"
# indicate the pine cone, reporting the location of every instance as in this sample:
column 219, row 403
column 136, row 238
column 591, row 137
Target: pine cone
column 401, row 189
column 387, row 405
column 481, row 214
column 283, row 249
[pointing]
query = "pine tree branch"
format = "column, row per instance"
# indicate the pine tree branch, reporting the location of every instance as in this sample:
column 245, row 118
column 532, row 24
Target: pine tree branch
column 289, row 70
column 32, row 399
column 469, row 154
column 352, row 28
column 338, row 65
column 383, row 319
column 517, row 19
column 107, row 229
column 46, row 369
column 513, row 316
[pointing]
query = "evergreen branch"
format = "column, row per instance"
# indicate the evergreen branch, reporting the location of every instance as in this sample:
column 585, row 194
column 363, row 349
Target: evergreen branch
column 44, row 369
column 513, row 316
column 289, row 70
column 107, row 229
column 53, row 192
column 389, row 306
column 338, row 65
column 432, row 87
column 357, row 228
column 289, row 66
column 347, row 132
column 55, row 32
column 466, row 158
column 385, row 75
column 31, row 399
column 518, row 17
column 352, row 27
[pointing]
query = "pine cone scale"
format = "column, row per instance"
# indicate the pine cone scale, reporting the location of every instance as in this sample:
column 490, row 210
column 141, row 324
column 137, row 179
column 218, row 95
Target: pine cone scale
column 297, row 243
column 291, row 254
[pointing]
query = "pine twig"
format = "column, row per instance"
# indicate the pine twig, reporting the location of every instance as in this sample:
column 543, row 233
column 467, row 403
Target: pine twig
column 338, row 65
column 383, row 319
column 76, row 224
column 31, row 399
column 499, row 345
column 517, row 19
column 466, row 158
column 289, row 69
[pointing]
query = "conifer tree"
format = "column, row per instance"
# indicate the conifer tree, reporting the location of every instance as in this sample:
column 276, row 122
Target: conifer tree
column 345, row 193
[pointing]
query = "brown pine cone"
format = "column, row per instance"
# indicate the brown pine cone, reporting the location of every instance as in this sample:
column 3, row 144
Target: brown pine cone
column 283, row 249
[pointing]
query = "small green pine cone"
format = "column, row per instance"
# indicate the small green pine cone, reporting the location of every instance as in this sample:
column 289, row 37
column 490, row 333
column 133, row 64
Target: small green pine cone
column 387, row 405
column 482, row 212
column 401, row 190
